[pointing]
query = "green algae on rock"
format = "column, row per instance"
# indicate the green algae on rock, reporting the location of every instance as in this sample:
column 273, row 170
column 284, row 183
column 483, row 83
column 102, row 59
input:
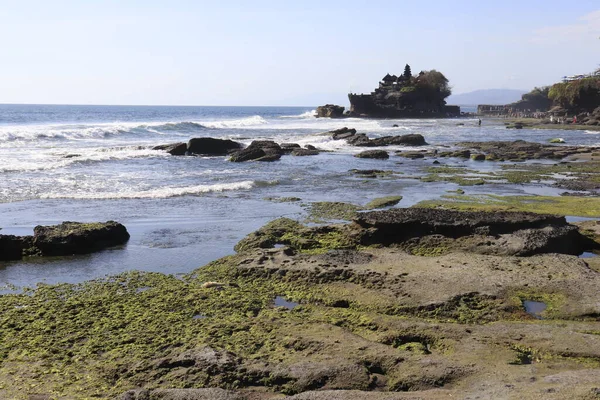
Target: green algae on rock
column 559, row 205
column 371, row 319
column 382, row 202
column 331, row 210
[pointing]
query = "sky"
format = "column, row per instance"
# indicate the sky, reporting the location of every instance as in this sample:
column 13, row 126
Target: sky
column 303, row 52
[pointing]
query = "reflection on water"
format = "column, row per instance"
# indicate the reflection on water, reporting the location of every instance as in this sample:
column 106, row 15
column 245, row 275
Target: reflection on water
column 534, row 308
column 282, row 302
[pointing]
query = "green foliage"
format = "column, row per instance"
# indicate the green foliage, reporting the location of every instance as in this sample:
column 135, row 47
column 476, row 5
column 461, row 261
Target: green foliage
column 434, row 83
column 407, row 72
column 579, row 94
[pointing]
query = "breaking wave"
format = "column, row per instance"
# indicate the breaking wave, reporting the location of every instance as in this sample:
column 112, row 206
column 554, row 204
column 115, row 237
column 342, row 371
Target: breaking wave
column 28, row 133
column 304, row 115
column 161, row 193
column 236, row 123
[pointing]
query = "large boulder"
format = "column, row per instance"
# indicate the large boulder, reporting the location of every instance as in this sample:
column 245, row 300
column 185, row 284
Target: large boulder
column 259, row 150
column 78, row 238
column 289, row 147
column 305, row 152
column 11, row 247
column 511, row 233
column 174, row 149
column 378, row 154
column 330, row 111
column 412, row 139
column 342, row 133
column 211, row 146
column 362, row 140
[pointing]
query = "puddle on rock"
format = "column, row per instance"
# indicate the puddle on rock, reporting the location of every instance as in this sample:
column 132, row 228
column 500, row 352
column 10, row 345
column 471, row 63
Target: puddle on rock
column 534, row 308
column 199, row 316
column 282, row 302
column 587, row 254
column 278, row 245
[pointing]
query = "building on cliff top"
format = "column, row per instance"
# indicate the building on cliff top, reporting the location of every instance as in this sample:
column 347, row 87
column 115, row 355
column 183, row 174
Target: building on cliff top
column 406, row 96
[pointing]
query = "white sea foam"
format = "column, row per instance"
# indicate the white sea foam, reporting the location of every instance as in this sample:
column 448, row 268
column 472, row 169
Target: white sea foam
column 160, row 193
column 54, row 159
column 592, row 132
column 255, row 120
column 305, row 115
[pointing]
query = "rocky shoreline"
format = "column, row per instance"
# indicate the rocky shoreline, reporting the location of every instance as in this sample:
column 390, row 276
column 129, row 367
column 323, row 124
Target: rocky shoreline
column 468, row 296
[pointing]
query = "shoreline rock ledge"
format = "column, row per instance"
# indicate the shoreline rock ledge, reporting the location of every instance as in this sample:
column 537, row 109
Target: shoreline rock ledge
column 65, row 239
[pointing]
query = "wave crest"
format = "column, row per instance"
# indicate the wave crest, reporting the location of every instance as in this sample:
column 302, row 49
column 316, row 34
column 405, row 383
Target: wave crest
column 161, row 193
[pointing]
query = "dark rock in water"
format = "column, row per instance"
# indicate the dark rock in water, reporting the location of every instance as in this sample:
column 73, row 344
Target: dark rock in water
column 515, row 233
column 413, row 155
column 412, row 139
column 519, row 150
column 361, row 139
column 212, row 146
column 11, row 247
column 378, row 154
column 305, row 152
column 478, row 157
column 248, row 154
column 174, row 149
column 259, row 150
column 342, row 133
column 289, row 147
column 78, row 238
column 269, row 157
column 395, row 126
column 310, row 147
column 330, row 111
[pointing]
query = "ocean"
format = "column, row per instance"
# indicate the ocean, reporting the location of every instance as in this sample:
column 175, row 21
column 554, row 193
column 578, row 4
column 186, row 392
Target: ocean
column 96, row 163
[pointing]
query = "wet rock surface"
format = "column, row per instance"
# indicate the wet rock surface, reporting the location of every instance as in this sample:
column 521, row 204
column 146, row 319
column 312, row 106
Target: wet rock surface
column 376, row 154
column 259, row 150
column 78, row 238
column 523, row 150
column 65, row 239
column 330, row 111
column 361, row 139
column 211, row 146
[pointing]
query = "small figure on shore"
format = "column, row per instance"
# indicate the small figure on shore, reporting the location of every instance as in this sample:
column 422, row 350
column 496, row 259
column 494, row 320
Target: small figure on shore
column 575, row 119
column 479, row 122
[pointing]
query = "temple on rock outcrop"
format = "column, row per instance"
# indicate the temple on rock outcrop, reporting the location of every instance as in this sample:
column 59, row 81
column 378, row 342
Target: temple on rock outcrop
column 406, row 95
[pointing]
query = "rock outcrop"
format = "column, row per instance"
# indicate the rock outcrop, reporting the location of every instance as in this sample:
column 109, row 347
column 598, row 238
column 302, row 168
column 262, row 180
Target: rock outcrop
column 520, row 150
column 174, row 149
column 78, row 238
column 377, row 154
column 65, row 239
column 330, row 111
column 362, row 140
column 205, row 146
column 11, row 247
column 507, row 233
column 212, row 146
column 259, row 150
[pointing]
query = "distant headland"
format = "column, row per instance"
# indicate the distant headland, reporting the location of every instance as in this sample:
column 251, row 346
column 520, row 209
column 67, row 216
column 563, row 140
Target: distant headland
column 401, row 96
column 575, row 101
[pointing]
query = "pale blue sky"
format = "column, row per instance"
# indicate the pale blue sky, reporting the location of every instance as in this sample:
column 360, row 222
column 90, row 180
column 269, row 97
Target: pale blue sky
column 180, row 52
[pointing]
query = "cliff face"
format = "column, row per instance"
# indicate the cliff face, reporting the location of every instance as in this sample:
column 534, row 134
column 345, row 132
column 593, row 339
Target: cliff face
column 406, row 96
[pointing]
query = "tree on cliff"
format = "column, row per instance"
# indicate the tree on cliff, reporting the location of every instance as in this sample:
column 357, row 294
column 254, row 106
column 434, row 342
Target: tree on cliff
column 434, row 84
column 577, row 95
column 537, row 99
column 407, row 72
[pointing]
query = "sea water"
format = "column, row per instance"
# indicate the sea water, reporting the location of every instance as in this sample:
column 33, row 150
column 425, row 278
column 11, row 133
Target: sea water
column 96, row 163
